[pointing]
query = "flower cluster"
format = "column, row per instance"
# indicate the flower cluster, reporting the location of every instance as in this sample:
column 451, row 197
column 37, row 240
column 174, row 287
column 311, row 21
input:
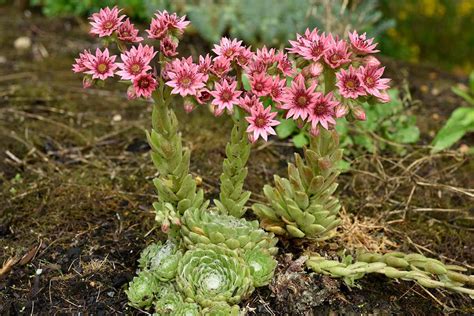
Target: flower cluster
column 323, row 78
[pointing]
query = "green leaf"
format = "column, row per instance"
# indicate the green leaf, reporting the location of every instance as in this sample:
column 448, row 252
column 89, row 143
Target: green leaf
column 460, row 122
column 286, row 128
column 246, row 82
column 471, row 82
column 409, row 134
column 364, row 141
column 300, row 140
column 463, row 94
column 343, row 166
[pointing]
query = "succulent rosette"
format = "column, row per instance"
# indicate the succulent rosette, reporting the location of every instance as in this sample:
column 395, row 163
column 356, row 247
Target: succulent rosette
column 161, row 259
column 201, row 226
column 303, row 204
column 210, row 274
column 168, row 301
column 262, row 266
column 188, row 309
column 143, row 289
column 221, row 309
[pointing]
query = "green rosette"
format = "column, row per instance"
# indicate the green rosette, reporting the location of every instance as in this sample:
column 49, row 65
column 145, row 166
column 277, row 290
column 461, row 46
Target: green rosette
column 143, row 289
column 201, row 226
column 303, row 205
column 210, row 274
column 222, row 309
column 161, row 259
column 262, row 266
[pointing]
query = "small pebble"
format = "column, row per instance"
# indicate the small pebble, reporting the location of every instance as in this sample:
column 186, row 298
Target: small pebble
column 464, row 149
column 22, row 43
column 424, row 88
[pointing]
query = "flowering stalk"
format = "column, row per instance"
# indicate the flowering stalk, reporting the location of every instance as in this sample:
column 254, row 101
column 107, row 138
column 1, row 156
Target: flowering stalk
column 175, row 186
column 425, row 271
column 232, row 195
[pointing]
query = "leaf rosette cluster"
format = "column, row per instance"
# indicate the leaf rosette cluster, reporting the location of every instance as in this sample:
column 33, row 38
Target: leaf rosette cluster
column 209, row 227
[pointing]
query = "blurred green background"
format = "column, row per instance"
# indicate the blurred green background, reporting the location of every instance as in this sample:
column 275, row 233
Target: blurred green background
column 437, row 32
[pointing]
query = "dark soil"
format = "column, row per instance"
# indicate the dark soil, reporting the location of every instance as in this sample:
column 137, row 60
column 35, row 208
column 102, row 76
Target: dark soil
column 76, row 191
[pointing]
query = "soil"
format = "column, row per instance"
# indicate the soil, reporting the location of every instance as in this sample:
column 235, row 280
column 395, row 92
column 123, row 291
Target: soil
column 76, row 190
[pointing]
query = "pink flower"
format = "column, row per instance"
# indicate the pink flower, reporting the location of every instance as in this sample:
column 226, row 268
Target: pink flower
column 301, row 42
column 164, row 23
column 225, row 96
column 261, row 84
column 255, row 67
column 277, row 89
column 106, row 21
column 261, row 122
column 337, row 52
column 227, row 48
column 361, row 45
column 144, row 85
column 248, row 102
column 203, row 96
column 371, row 80
column 168, row 47
column 220, row 66
column 185, row 78
column 322, row 111
column 349, row 83
column 79, row 65
column 315, row 48
column 265, row 56
column 128, row 33
column 135, row 62
column 204, row 64
column 284, row 64
column 101, row 66
column 298, row 99
column 244, row 56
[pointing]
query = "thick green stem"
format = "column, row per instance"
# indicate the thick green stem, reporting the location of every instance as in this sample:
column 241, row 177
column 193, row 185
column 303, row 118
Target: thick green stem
column 232, row 197
column 329, row 80
column 175, row 186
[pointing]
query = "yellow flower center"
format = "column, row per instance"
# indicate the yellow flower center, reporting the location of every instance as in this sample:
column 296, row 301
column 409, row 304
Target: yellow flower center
column 260, row 121
column 102, row 68
column 302, row 100
column 135, row 68
column 350, row 84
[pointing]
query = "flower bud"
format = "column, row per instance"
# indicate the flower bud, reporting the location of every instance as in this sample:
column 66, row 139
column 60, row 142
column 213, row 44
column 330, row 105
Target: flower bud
column 358, row 113
column 188, row 105
column 87, row 82
column 341, row 110
column 299, row 123
column 165, row 227
column 371, row 61
column 131, row 93
column 314, row 131
column 251, row 138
